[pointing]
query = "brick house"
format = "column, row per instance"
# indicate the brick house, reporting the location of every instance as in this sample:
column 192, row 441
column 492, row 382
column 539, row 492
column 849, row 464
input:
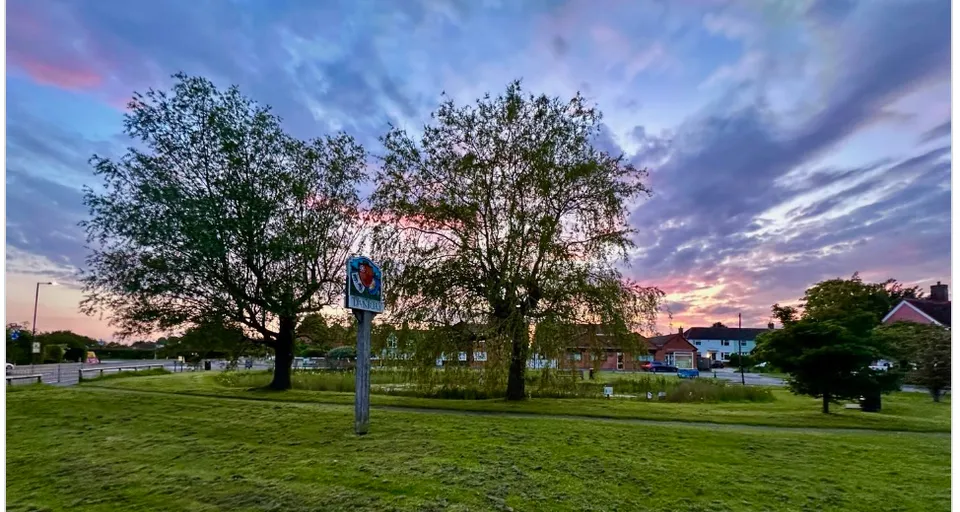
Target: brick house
column 933, row 310
column 674, row 349
column 594, row 346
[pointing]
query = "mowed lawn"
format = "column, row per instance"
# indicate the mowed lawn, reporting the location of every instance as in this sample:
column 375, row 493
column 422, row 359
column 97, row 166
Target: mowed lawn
column 88, row 448
column 901, row 411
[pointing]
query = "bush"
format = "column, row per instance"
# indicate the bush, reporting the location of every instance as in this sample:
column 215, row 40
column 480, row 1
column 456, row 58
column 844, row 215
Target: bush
column 123, row 353
column 343, row 353
column 458, row 383
column 736, row 360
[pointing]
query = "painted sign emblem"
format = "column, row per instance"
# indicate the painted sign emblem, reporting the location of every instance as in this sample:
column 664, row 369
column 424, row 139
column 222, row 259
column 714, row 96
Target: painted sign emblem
column 364, row 285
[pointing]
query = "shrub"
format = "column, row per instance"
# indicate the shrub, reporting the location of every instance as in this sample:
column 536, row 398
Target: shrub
column 735, row 360
column 346, row 352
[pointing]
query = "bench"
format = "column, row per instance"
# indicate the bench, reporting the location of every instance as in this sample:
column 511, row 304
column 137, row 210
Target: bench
column 118, row 368
column 11, row 378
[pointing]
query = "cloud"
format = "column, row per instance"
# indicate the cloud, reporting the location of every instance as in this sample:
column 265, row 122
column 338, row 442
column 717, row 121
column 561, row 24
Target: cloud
column 937, row 132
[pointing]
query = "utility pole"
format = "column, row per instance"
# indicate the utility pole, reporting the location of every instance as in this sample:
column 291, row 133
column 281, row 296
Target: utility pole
column 743, row 379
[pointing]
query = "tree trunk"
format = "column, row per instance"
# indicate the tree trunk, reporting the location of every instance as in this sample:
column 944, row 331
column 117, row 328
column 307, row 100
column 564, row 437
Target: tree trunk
column 936, row 394
column 516, row 386
column 284, row 354
column 826, row 403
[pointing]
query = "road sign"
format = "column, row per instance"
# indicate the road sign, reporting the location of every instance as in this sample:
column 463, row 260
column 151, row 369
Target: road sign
column 36, row 347
column 364, row 285
column 15, row 334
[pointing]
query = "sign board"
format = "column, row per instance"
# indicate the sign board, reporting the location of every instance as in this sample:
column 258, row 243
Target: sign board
column 15, row 334
column 364, row 285
column 36, row 347
column 607, row 391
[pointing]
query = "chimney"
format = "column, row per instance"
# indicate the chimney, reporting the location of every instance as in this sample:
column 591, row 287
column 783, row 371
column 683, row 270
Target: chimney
column 938, row 292
column 681, row 331
column 770, row 325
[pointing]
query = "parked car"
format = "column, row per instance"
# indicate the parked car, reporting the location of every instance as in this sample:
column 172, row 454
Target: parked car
column 716, row 364
column 688, row 373
column 661, row 367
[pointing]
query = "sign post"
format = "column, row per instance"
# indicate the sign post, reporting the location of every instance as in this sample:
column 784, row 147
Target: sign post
column 364, row 295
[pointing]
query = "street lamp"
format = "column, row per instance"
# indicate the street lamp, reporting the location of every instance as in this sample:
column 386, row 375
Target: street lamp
column 36, row 301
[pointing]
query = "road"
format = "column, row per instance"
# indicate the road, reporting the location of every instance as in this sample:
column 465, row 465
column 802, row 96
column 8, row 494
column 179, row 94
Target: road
column 68, row 374
column 757, row 379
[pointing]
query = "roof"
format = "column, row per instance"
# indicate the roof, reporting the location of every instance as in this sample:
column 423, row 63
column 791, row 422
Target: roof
column 938, row 311
column 724, row 333
column 658, row 342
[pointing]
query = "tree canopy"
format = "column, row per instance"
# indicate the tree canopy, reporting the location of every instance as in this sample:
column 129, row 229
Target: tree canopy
column 828, row 344
column 218, row 213
column 504, row 213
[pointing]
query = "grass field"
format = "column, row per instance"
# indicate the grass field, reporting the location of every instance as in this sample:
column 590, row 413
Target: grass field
column 901, row 411
column 100, row 449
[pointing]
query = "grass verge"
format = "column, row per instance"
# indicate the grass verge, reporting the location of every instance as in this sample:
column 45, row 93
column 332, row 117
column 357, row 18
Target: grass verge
column 89, row 450
column 911, row 412
column 152, row 372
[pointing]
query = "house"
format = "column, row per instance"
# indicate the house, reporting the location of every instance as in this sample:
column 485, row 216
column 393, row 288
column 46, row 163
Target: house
column 717, row 343
column 674, row 349
column 933, row 310
column 594, row 345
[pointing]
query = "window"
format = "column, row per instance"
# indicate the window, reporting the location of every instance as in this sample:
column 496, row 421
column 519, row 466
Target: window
column 725, row 343
column 462, row 356
column 576, row 356
column 646, row 357
column 697, row 343
column 480, row 356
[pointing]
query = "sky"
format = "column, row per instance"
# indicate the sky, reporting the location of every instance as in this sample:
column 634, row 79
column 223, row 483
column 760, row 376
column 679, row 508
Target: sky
column 787, row 141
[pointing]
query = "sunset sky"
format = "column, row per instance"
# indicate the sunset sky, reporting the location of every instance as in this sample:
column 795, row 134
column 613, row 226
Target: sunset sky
column 787, row 141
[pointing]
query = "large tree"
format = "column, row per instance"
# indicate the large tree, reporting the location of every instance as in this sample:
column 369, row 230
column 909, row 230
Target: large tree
column 218, row 213
column 504, row 213
column 827, row 360
column 828, row 343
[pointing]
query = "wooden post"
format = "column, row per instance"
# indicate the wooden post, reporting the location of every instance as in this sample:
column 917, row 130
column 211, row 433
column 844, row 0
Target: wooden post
column 362, row 394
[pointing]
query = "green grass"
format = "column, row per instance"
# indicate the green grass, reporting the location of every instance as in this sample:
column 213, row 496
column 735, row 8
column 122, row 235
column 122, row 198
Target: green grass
column 901, row 411
column 128, row 374
column 92, row 449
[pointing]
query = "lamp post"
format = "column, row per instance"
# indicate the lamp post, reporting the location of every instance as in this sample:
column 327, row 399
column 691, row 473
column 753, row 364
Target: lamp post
column 36, row 302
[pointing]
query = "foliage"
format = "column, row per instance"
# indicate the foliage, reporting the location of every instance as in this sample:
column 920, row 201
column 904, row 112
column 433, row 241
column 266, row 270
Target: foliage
column 828, row 344
column 211, row 339
column 504, row 213
column 124, row 353
column 68, row 338
column 345, row 352
column 19, row 351
column 925, row 350
column 827, row 360
column 466, row 384
column 221, row 214
column 851, row 302
column 736, row 360
column 52, row 354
